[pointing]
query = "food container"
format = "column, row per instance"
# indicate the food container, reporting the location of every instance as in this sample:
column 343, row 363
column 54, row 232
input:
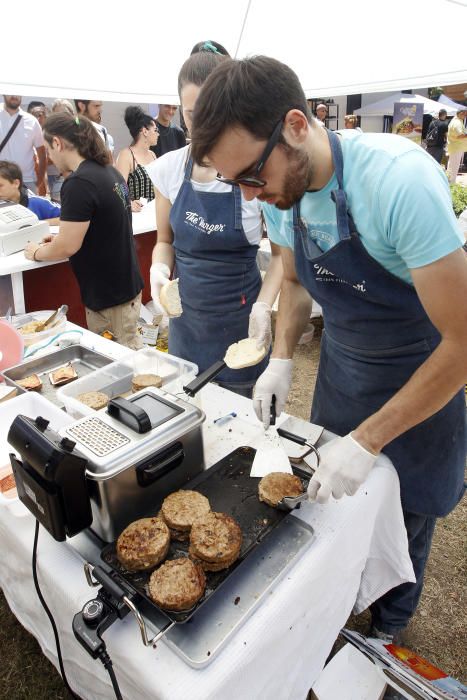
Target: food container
column 58, row 325
column 31, row 405
column 115, row 379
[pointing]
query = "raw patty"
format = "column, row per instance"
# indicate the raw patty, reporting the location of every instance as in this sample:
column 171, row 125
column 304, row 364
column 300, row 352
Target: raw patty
column 215, row 538
column 143, row 544
column 142, row 381
column 94, row 399
column 181, row 508
column 274, row 486
column 177, row 585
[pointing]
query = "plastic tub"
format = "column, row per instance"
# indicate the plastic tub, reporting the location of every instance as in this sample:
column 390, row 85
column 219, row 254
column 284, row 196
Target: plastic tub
column 115, row 379
column 58, row 325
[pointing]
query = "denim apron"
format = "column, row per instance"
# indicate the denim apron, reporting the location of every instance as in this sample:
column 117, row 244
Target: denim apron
column 219, row 280
column 376, row 336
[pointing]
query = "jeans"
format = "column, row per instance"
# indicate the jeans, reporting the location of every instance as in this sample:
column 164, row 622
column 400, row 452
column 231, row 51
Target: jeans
column 436, row 152
column 391, row 613
column 55, row 185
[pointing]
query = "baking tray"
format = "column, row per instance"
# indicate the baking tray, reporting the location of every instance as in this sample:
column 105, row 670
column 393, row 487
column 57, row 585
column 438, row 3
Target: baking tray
column 83, row 360
column 230, row 489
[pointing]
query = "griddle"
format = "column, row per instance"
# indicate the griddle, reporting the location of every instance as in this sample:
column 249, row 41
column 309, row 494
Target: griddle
column 231, row 490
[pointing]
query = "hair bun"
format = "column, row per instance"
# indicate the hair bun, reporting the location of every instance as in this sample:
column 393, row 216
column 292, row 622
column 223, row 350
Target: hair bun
column 133, row 115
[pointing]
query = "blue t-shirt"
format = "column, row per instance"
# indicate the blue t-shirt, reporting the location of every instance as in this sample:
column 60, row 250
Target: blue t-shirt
column 399, row 199
column 42, row 207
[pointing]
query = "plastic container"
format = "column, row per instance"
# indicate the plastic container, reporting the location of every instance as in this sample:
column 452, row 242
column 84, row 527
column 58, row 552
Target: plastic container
column 115, row 379
column 31, row 405
column 58, row 325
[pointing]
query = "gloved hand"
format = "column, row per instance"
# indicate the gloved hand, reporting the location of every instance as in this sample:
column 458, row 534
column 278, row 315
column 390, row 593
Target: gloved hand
column 259, row 326
column 276, row 379
column 159, row 275
column 345, row 465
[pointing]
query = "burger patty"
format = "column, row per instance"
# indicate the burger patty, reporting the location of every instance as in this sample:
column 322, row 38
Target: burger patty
column 275, row 486
column 143, row 544
column 181, row 508
column 215, row 538
column 179, row 535
column 177, row 585
column 214, row 566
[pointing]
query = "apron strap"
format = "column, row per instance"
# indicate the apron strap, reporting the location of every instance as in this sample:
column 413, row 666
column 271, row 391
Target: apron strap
column 338, row 196
column 188, row 168
column 237, row 207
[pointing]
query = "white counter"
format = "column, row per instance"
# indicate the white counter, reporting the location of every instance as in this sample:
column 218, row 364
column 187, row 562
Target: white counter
column 360, row 551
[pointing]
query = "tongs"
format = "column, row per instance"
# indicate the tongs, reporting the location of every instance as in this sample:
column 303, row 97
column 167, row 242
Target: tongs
column 288, row 503
column 41, row 326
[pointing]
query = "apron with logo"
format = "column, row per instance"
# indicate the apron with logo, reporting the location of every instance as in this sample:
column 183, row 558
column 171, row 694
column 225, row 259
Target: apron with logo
column 376, row 336
column 219, row 279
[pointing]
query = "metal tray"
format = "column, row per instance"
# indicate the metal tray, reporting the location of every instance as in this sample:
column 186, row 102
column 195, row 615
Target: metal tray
column 230, row 489
column 83, row 360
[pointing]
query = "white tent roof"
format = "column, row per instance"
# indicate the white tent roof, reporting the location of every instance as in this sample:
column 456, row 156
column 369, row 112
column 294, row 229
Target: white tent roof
column 447, row 102
column 386, row 105
column 110, row 50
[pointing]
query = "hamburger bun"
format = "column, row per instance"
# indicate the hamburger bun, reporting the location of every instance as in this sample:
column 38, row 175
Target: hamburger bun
column 93, row 399
column 170, row 299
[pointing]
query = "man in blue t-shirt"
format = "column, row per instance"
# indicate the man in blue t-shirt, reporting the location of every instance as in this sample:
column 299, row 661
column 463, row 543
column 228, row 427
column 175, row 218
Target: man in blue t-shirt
column 366, row 227
column 13, row 190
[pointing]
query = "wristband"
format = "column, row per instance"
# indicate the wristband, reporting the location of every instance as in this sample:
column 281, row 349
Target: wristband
column 34, row 254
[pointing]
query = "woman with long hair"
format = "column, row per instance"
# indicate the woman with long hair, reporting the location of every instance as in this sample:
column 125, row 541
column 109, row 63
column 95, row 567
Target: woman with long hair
column 131, row 161
column 95, row 229
column 208, row 236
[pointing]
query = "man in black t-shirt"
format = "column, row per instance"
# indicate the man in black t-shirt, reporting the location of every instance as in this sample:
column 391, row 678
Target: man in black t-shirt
column 436, row 136
column 95, row 229
column 171, row 137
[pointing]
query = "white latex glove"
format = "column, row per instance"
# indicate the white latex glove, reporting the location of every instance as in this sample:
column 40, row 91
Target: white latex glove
column 276, row 379
column 159, row 274
column 259, row 326
column 345, row 465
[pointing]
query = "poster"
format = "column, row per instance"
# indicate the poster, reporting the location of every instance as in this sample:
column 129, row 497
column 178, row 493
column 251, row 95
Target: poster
column 408, row 120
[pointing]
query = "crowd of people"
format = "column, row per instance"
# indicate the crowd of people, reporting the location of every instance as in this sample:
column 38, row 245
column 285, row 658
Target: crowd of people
column 361, row 223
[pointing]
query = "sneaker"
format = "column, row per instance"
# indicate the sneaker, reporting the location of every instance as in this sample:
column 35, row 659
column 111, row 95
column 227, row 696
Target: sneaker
column 387, row 637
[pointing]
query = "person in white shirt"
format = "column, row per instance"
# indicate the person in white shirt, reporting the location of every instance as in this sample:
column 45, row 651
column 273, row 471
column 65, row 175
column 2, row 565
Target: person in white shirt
column 26, row 137
column 321, row 113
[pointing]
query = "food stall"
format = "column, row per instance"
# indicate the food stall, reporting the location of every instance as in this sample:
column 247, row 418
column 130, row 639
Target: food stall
column 26, row 285
column 269, row 628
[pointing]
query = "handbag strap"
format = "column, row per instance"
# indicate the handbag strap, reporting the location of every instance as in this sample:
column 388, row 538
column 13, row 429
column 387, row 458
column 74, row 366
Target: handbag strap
column 10, row 133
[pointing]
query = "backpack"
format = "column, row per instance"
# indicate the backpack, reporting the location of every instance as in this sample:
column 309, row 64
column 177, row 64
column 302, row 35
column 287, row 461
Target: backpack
column 432, row 135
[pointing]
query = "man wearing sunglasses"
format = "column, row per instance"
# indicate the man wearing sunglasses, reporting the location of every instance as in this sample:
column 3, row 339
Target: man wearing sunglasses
column 367, row 229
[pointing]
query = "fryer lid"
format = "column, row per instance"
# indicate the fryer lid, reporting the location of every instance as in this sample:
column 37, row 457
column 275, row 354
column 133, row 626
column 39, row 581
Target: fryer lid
column 231, row 490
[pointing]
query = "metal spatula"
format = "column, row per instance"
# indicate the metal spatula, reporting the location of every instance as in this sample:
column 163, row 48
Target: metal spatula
column 270, row 452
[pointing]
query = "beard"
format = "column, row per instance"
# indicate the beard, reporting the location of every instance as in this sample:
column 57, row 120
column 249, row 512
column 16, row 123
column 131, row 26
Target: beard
column 12, row 103
column 299, row 173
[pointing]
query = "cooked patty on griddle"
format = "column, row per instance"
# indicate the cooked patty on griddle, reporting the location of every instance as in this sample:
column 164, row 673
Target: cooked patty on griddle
column 214, row 566
column 177, row 585
column 143, row 544
column 275, row 486
column 181, row 508
column 215, row 538
column 179, row 535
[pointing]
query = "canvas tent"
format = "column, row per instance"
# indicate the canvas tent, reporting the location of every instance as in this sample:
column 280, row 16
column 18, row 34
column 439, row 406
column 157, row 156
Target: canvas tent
column 111, row 50
column 447, row 102
column 385, row 106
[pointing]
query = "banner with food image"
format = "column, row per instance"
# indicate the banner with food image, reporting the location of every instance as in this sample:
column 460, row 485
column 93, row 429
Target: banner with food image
column 408, row 120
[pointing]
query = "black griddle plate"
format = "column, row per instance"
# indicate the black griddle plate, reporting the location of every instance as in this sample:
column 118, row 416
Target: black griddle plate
column 230, row 489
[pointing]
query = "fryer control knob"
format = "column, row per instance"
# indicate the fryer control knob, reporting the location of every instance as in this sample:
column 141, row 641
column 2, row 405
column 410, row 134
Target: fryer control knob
column 41, row 423
column 67, row 444
column 93, row 612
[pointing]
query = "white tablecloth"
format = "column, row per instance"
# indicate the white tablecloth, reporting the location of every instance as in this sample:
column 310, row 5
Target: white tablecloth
column 360, row 551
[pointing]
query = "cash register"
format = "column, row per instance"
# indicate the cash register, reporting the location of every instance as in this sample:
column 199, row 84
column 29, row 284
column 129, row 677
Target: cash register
column 18, row 226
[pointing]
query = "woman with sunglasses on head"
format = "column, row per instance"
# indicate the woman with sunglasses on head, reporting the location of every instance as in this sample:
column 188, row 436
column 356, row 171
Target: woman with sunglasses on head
column 132, row 161
column 208, row 236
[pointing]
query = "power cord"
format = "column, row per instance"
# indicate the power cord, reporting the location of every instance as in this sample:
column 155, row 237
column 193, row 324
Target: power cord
column 49, row 614
column 107, row 663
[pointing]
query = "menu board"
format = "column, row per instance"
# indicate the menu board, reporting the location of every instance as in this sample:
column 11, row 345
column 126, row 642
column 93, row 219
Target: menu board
column 408, row 120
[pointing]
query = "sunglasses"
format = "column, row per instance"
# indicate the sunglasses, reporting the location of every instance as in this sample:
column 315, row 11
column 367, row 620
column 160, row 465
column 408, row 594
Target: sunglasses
column 252, row 179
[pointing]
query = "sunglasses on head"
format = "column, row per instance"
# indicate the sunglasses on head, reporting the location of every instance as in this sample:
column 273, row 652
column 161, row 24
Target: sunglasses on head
column 252, row 178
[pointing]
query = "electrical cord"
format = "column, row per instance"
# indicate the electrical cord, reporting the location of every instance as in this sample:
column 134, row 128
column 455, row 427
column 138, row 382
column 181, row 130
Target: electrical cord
column 104, row 657
column 107, row 663
column 49, row 614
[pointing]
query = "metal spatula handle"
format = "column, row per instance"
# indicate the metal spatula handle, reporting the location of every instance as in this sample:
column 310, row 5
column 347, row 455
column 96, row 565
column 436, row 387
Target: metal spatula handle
column 300, row 441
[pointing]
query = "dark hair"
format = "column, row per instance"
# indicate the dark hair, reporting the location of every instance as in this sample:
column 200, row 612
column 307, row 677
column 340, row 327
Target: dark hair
column 442, row 111
column 85, row 103
column 254, row 93
column 209, row 45
column 198, row 68
column 35, row 103
column 80, row 132
column 10, row 171
column 136, row 119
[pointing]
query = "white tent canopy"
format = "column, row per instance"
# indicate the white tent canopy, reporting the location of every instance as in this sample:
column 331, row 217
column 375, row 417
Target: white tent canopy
column 385, row 106
column 111, row 50
column 447, row 102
